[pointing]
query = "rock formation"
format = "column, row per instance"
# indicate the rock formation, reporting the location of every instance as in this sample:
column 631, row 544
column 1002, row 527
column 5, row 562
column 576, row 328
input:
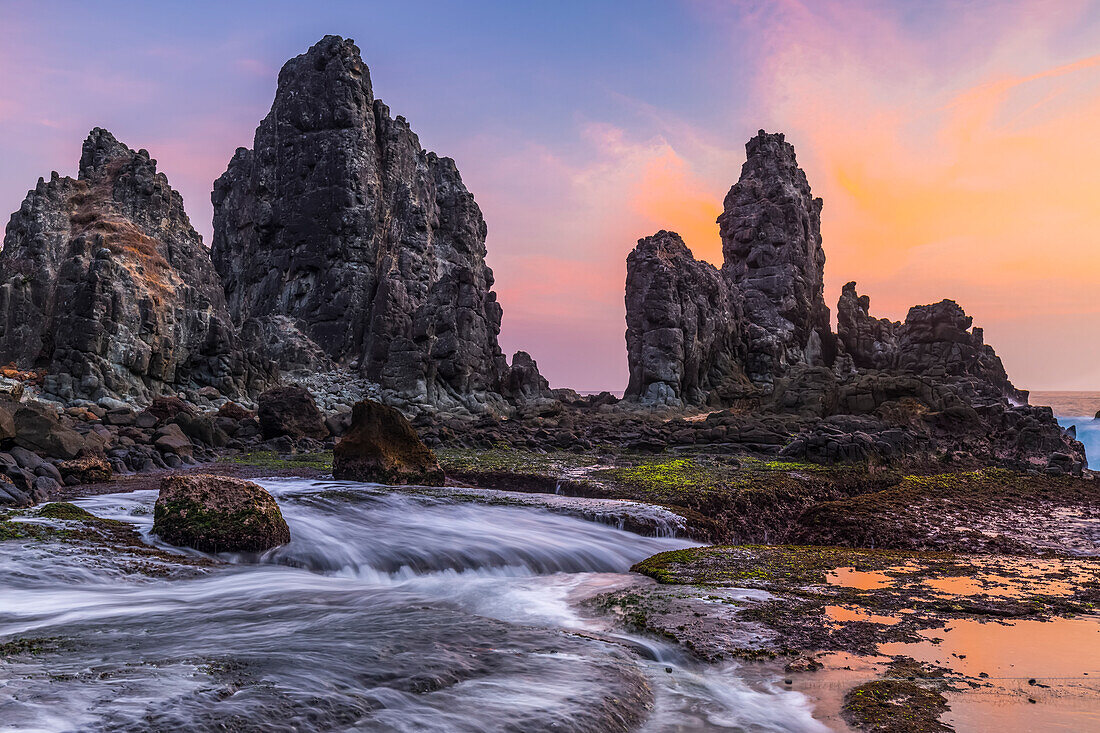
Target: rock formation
column 218, row 514
column 935, row 341
column 682, row 325
column 928, row 386
column 338, row 223
column 872, row 343
column 381, row 446
column 106, row 286
column 523, row 382
column 771, row 247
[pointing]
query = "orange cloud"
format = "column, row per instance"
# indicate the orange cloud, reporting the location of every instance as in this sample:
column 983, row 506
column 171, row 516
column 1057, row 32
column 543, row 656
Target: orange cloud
column 972, row 175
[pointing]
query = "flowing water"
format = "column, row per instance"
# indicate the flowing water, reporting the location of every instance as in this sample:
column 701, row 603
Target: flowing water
column 1088, row 432
column 389, row 611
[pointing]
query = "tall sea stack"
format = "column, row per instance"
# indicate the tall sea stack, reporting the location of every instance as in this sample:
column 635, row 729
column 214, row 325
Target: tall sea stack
column 771, row 247
column 337, row 230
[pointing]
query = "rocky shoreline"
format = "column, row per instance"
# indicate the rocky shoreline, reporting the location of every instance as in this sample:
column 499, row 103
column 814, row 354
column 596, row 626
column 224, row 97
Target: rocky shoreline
column 845, row 483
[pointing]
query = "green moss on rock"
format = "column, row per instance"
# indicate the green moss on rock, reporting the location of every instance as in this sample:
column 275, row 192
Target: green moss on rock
column 218, row 514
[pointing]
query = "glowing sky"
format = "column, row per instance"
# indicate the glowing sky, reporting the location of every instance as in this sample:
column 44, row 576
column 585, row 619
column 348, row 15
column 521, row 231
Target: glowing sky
column 956, row 144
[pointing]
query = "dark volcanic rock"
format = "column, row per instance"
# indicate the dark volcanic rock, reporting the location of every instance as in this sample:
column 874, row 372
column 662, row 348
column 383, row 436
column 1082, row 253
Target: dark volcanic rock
column 682, row 325
column 338, row 220
column 38, row 429
column 871, row 342
column 523, row 381
column 935, row 341
column 771, row 246
column 928, row 388
column 382, row 447
column 218, row 514
column 106, row 285
column 290, row 411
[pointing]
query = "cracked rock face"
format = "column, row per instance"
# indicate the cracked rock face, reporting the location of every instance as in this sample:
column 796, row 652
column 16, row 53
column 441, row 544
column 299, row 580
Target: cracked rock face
column 105, row 284
column 871, row 342
column 683, row 325
column 935, row 340
column 371, row 247
column 771, row 246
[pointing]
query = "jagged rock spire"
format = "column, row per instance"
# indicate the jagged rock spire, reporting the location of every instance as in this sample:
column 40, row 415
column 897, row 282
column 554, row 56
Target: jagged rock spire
column 105, row 285
column 683, row 327
column 771, row 245
column 338, row 222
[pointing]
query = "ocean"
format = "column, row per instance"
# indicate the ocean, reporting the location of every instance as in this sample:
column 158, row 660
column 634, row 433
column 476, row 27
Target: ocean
column 1078, row 409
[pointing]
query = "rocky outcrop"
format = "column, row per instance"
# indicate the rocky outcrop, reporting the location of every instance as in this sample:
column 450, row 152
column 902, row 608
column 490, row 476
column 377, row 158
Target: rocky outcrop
column 926, row 387
column 523, row 382
column 771, row 247
column 372, row 248
column 683, row 328
column 872, row 343
column 935, row 341
column 218, row 514
column 382, row 447
column 105, row 285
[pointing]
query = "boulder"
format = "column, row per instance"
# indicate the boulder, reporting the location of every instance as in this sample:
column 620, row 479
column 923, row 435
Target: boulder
column 166, row 407
column 86, row 470
column 382, row 447
column 202, row 429
column 171, row 439
column 290, row 411
column 218, row 514
column 235, row 412
column 12, row 497
column 38, row 429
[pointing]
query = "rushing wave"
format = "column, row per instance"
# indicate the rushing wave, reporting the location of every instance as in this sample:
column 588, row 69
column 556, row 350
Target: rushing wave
column 1088, row 432
column 388, row 611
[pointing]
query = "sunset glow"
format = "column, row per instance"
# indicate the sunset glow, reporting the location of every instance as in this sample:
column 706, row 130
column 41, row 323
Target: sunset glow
column 955, row 150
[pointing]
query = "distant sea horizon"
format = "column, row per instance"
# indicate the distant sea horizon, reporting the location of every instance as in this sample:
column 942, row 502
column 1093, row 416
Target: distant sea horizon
column 1068, row 403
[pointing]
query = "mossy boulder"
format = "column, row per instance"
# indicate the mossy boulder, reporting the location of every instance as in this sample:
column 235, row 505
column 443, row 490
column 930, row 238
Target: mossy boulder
column 382, row 447
column 86, row 470
column 218, row 514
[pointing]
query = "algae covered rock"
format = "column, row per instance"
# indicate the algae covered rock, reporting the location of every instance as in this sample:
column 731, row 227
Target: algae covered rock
column 86, row 470
column 382, row 447
column 218, row 514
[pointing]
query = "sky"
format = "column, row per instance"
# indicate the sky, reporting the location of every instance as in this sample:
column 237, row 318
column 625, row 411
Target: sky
column 956, row 144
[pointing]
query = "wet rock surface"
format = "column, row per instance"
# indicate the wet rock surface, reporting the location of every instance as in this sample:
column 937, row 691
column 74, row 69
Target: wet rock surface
column 218, row 514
